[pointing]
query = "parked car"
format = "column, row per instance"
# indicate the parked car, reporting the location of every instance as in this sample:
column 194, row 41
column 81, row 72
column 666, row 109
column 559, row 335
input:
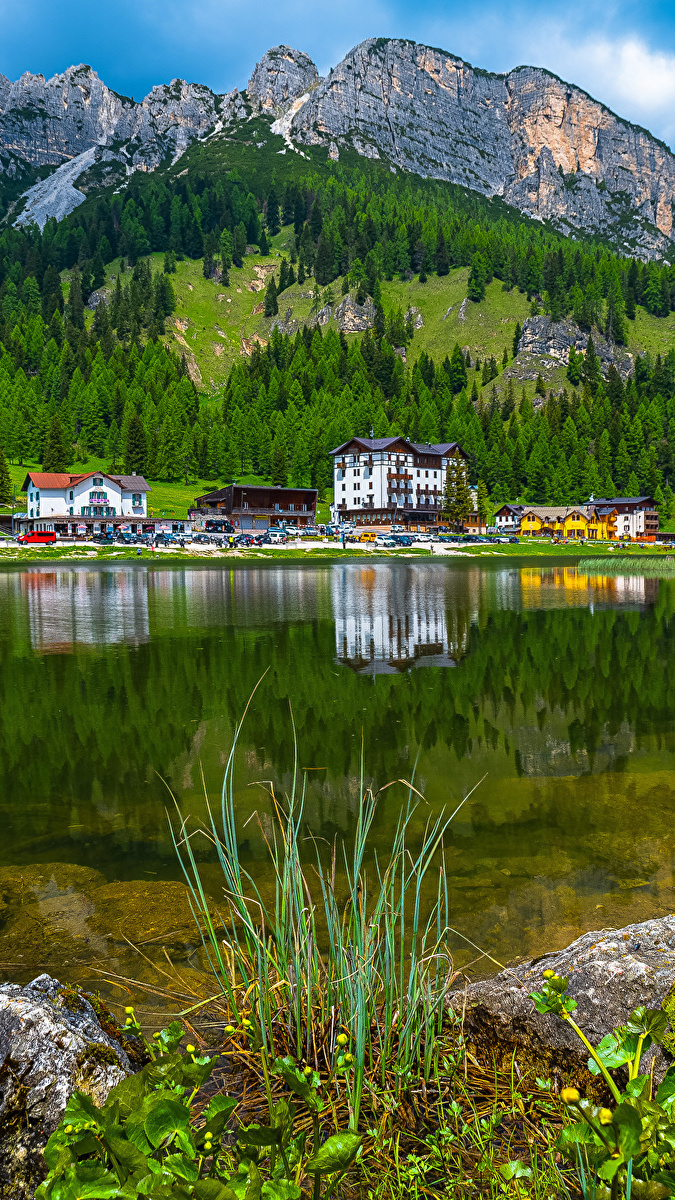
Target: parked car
column 513, row 539
column 219, row 527
column 402, row 539
column 388, row 542
column 41, row 537
column 103, row 539
column 203, row 539
column 276, row 537
column 424, row 537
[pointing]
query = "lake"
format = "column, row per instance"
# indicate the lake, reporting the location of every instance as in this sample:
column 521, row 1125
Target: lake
column 120, row 682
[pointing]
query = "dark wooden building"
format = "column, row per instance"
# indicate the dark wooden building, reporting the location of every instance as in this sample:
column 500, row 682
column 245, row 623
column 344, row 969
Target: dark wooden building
column 251, row 506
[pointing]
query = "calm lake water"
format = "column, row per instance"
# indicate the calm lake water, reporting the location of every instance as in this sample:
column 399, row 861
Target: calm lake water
column 116, row 681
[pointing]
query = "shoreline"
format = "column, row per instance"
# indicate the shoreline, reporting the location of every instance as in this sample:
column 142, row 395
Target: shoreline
column 522, row 553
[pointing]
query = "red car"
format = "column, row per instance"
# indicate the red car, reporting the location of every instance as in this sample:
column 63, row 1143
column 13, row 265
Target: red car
column 40, row 538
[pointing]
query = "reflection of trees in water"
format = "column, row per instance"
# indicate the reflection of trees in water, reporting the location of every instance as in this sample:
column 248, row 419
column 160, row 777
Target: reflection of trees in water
column 82, row 735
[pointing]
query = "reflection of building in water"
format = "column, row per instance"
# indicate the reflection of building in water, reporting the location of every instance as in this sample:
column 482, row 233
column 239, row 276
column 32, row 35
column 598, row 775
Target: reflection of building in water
column 390, row 618
column 568, row 586
column 80, row 607
column 207, row 597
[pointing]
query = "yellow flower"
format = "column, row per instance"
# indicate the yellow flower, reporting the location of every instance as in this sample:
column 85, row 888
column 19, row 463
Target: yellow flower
column 349, row 1058
column 229, row 1029
column 190, row 1049
column 342, row 1039
column 245, row 1023
column 130, row 1009
column 549, row 974
column 570, row 1095
column 605, row 1116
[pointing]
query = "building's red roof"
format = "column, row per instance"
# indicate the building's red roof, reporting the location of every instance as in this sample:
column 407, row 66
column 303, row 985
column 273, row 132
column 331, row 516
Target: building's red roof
column 60, row 479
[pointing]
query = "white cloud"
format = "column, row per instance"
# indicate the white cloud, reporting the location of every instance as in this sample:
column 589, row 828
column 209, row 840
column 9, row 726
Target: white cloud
column 634, row 80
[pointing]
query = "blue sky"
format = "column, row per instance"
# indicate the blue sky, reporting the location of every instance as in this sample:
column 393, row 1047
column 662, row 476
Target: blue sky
column 621, row 52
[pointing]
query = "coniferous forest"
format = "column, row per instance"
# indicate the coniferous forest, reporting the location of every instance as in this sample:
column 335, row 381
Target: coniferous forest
column 72, row 386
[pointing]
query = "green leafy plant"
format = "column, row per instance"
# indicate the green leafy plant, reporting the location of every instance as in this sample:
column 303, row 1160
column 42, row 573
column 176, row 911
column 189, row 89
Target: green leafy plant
column 149, row 1139
column 628, row 1150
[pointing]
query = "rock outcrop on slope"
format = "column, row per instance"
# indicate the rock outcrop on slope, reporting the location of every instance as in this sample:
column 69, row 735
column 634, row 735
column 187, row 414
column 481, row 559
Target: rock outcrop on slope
column 544, row 145
column 51, row 1043
column 610, row 971
column 281, row 76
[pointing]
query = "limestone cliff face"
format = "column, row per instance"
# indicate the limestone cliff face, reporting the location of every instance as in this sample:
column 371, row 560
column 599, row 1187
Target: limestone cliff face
column 279, row 78
column 543, row 145
column 45, row 122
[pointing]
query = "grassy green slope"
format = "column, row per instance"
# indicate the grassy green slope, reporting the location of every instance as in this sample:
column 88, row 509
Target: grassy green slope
column 212, row 323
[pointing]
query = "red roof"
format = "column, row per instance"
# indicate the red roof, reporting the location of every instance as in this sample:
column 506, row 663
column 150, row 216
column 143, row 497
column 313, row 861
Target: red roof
column 59, row 479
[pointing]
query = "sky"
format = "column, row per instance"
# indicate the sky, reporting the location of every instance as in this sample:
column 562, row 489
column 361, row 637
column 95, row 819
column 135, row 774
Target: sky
column 620, row 51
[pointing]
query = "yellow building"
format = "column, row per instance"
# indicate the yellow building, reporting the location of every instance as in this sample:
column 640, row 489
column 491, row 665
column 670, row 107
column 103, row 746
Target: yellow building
column 586, row 521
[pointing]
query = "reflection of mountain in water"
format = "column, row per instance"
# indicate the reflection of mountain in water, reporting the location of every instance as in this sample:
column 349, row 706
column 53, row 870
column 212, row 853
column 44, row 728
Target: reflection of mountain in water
column 389, row 620
column 68, row 608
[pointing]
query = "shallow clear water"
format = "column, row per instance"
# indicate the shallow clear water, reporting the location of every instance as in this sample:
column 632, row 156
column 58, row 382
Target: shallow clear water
column 116, row 681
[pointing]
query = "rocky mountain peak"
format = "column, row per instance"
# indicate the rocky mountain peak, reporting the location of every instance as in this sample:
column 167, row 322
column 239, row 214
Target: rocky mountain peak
column 281, row 76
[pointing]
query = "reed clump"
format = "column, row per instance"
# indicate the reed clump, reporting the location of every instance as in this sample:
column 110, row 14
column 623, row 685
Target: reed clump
column 345, row 974
column 629, row 564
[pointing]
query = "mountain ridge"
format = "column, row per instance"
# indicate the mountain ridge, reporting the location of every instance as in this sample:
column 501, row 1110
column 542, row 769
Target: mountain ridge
column 545, row 146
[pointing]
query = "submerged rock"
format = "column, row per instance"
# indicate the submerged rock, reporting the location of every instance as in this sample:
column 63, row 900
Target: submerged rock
column 611, row 972
column 51, row 1043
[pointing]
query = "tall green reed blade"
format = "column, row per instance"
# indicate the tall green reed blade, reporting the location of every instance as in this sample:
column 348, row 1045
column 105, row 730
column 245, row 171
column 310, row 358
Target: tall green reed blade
column 364, row 953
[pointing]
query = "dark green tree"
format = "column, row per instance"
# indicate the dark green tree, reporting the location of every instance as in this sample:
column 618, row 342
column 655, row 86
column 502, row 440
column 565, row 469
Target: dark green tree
column 57, row 454
column 135, row 447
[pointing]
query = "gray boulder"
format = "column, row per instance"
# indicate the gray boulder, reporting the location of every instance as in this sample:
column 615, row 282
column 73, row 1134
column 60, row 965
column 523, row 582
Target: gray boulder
column 51, row 1044
column 355, row 318
column 611, row 972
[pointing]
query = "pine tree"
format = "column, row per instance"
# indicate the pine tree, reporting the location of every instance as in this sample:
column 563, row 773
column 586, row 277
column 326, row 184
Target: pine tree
column 457, row 493
column 113, row 446
column 5, row 480
column 517, row 334
column 135, row 447
column 279, row 465
column 187, row 456
column 482, row 503
column 57, row 453
column 271, row 305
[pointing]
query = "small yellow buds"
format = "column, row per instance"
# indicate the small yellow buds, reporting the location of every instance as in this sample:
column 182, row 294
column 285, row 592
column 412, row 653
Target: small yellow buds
column 229, row 1030
column 342, row 1039
column 129, row 1021
column 549, row 974
column 190, row 1049
column 156, row 1034
column 69, row 1129
column 570, row 1095
column 349, row 1058
column 605, row 1116
column 245, row 1023
column 130, row 1009
column 308, row 1072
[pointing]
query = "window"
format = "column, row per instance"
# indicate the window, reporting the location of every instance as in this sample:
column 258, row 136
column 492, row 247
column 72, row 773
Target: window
column 70, row 497
column 426, row 474
column 135, row 499
column 304, row 508
column 418, row 474
column 70, row 510
column 435, row 474
column 291, row 508
column 344, row 488
column 97, row 482
column 277, row 506
column 245, row 504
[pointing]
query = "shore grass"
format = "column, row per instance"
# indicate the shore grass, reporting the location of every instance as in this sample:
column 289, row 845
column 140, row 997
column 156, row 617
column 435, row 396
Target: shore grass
column 338, row 979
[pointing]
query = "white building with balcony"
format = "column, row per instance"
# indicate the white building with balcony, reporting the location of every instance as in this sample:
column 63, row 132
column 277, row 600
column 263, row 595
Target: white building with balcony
column 380, row 481
column 62, row 502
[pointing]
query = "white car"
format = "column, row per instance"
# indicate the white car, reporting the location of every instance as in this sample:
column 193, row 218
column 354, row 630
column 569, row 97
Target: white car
column 422, row 537
column 277, row 536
